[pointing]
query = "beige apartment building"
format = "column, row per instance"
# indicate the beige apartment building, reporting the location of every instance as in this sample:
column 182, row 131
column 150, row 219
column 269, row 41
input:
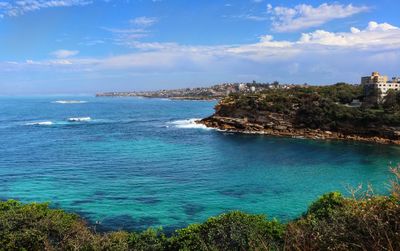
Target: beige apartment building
column 381, row 82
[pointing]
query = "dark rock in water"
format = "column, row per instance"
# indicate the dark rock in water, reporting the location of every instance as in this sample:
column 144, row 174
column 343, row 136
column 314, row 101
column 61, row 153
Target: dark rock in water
column 87, row 216
column 241, row 192
column 146, row 222
column 234, row 193
column 99, row 193
column 126, row 222
column 120, row 222
column 123, row 198
column 193, row 209
column 366, row 161
column 81, row 202
column 280, row 191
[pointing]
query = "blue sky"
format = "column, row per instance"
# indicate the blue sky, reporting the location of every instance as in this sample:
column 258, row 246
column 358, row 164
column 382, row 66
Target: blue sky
column 88, row 46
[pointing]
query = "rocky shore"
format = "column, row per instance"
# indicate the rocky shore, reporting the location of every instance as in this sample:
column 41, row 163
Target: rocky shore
column 314, row 112
column 275, row 125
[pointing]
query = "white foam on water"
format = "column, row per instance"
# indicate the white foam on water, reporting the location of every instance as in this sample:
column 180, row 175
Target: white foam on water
column 42, row 123
column 70, row 102
column 80, row 119
column 189, row 124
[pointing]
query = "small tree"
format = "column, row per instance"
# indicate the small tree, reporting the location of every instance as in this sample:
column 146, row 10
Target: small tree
column 390, row 100
column 373, row 96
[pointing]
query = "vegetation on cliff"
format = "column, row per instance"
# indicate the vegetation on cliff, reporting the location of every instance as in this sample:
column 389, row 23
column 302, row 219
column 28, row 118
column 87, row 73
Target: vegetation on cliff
column 327, row 108
column 333, row 222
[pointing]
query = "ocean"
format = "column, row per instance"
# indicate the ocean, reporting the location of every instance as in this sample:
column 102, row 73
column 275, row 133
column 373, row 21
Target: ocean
column 134, row 163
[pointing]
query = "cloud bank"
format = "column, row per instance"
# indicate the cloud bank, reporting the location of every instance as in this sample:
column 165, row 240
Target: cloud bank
column 317, row 46
column 305, row 16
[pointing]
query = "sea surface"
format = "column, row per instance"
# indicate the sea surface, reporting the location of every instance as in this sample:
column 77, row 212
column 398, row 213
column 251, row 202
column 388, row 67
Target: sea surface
column 133, row 163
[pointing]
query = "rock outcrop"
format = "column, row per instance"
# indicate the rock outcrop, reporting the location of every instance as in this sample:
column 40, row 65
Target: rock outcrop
column 229, row 117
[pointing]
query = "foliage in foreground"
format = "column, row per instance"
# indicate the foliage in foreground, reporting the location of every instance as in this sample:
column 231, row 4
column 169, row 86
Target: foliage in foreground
column 333, row 222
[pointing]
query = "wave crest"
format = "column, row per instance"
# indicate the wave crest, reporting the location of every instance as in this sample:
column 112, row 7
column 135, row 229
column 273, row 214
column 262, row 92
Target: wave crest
column 80, row 119
column 42, row 123
column 70, row 102
column 189, row 124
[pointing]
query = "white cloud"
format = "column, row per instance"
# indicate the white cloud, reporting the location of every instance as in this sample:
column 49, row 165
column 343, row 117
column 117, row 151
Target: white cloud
column 20, row 7
column 127, row 36
column 144, row 21
column 64, row 53
column 305, row 16
column 57, row 62
column 138, row 29
column 250, row 17
column 92, row 42
column 374, row 37
column 374, row 26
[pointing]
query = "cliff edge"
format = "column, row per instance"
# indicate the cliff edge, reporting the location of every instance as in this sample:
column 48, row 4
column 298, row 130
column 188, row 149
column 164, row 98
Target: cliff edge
column 327, row 112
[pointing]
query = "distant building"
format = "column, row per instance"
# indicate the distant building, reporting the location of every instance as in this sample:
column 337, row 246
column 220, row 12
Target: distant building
column 377, row 81
column 375, row 78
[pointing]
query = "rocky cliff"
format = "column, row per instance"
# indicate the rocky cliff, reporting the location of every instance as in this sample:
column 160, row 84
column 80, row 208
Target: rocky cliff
column 299, row 119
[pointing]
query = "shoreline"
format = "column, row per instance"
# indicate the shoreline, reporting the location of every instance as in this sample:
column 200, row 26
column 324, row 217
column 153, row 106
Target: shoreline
column 237, row 125
column 169, row 98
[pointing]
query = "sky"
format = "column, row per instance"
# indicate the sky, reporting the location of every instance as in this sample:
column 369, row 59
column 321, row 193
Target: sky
column 90, row 46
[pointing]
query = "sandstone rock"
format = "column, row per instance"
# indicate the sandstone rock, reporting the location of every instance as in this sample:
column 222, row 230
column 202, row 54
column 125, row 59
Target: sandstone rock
column 280, row 128
column 269, row 123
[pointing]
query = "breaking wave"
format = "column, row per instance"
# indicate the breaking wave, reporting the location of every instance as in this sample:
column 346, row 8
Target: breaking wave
column 70, row 102
column 80, row 119
column 189, row 124
column 42, row 123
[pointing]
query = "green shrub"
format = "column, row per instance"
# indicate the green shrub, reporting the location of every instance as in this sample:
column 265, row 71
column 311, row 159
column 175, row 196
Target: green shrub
column 368, row 224
column 37, row 227
column 231, row 231
column 326, row 205
column 114, row 241
column 151, row 240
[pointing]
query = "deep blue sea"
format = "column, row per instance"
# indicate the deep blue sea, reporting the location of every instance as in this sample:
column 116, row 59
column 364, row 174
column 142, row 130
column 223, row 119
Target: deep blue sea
column 132, row 163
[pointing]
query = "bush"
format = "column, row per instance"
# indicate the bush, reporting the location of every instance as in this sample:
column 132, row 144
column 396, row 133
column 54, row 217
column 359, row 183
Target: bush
column 337, row 223
column 37, row 227
column 231, row 231
column 326, row 205
column 371, row 224
column 151, row 240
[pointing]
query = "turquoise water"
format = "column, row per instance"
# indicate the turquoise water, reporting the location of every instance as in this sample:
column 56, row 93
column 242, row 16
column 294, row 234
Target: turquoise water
column 141, row 162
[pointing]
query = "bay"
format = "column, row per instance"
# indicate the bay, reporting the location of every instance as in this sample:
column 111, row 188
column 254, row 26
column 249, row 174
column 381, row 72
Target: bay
column 133, row 163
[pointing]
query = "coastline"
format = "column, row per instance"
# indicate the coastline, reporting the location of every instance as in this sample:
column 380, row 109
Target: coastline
column 189, row 98
column 238, row 125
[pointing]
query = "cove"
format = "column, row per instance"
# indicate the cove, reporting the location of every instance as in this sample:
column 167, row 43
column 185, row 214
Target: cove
column 132, row 163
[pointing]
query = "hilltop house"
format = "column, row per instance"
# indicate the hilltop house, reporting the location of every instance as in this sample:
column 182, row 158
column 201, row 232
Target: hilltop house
column 377, row 81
